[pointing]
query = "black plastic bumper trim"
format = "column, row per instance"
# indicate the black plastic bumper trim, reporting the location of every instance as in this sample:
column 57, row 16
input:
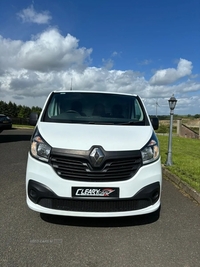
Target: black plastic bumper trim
column 44, row 196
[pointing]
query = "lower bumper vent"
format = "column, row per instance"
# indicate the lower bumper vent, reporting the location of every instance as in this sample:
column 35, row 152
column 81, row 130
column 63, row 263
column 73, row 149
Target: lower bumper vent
column 95, row 205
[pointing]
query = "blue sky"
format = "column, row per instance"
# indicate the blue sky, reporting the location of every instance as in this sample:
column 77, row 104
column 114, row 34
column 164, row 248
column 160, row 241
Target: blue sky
column 151, row 48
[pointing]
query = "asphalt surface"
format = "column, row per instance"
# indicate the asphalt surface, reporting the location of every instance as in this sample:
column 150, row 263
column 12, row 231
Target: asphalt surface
column 31, row 240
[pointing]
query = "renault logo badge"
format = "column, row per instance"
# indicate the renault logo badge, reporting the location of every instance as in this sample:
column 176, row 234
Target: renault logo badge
column 96, row 157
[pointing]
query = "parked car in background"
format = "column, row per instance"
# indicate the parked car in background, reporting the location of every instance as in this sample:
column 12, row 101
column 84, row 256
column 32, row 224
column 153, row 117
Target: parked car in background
column 5, row 122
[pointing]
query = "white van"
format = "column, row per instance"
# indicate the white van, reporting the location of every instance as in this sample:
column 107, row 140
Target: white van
column 94, row 154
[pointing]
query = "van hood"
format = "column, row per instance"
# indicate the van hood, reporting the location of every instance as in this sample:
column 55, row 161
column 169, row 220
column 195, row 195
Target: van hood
column 84, row 136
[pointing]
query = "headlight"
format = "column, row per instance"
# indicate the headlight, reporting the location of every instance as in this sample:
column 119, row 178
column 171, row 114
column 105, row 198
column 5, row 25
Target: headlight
column 151, row 151
column 39, row 148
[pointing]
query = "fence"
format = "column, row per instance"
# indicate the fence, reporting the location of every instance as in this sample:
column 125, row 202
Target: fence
column 20, row 121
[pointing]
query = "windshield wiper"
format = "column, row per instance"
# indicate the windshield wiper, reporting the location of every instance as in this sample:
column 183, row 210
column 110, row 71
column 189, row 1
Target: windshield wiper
column 99, row 122
column 131, row 123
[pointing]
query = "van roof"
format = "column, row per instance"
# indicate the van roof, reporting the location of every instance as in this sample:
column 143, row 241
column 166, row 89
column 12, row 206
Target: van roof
column 87, row 91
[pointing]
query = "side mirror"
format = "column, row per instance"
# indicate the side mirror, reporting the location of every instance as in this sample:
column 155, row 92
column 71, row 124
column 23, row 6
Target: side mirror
column 155, row 123
column 33, row 118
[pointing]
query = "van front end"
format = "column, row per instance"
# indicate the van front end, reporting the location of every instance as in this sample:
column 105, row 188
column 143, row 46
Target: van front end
column 67, row 185
column 94, row 154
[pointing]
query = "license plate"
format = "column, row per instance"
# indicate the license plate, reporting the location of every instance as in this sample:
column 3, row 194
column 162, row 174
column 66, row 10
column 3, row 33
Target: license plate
column 103, row 192
column 5, row 121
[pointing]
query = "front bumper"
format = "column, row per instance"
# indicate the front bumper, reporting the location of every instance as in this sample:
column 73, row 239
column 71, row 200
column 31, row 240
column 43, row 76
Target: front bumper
column 48, row 193
column 45, row 197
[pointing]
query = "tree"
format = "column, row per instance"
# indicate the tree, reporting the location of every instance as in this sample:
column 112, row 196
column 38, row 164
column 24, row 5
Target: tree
column 24, row 112
column 17, row 111
column 196, row 116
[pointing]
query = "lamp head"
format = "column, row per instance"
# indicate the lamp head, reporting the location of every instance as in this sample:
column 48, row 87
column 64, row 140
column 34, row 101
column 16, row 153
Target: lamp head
column 172, row 103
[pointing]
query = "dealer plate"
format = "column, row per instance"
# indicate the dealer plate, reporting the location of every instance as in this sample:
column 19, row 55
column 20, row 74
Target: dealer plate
column 106, row 192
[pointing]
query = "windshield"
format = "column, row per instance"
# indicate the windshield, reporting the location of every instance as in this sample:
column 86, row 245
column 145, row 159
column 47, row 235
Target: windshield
column 94, row 108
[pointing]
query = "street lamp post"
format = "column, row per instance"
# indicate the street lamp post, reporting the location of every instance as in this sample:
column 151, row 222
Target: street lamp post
column 172, row 103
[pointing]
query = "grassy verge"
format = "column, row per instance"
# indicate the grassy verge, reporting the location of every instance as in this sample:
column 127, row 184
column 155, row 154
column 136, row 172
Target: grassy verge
column 22, row 126
column 185, row 157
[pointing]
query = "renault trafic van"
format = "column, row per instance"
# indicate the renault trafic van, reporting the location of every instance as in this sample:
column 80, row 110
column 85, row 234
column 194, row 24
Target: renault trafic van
column 94, row 154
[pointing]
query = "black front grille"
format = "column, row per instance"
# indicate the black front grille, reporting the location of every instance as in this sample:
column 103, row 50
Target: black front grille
column 80, row 169
column 95, row 205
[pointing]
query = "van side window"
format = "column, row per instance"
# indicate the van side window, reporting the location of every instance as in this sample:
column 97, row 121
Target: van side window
column 138, row 111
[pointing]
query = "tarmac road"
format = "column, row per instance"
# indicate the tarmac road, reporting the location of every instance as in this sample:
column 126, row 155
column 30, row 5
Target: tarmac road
column 28, row 239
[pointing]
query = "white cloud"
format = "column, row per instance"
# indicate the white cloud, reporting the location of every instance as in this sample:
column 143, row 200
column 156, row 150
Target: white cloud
column 114, row 54
column 30, row 15
column 9, row 49
column 146, row 62
column 49, row 51
column 170, row 75
column 108, row 64
column 30, row 70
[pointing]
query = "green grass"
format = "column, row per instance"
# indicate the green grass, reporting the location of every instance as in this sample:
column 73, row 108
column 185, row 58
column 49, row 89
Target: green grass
column 185, row 158
column 19, row 126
